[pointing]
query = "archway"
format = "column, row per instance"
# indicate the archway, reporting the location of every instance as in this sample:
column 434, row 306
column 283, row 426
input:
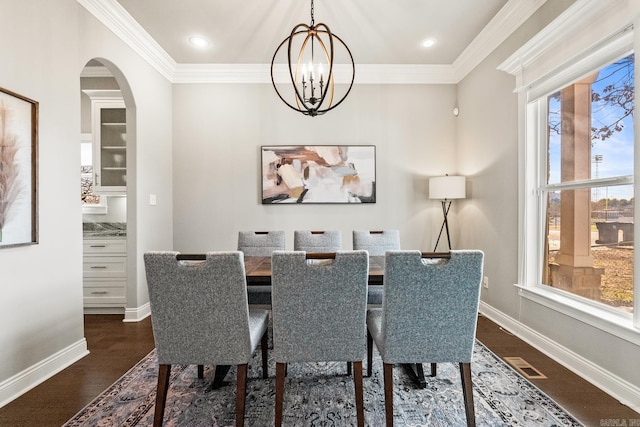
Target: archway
column 108, row 111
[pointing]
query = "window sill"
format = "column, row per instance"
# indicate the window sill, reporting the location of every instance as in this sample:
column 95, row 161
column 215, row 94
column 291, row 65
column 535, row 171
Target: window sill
column 607, row 319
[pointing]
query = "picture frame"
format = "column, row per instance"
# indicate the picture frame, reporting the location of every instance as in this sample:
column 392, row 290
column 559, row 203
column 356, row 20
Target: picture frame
column 18, row 170
column 318, row 174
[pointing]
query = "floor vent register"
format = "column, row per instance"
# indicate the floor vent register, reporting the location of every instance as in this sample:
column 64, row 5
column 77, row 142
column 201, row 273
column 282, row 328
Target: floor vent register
column 525, row 368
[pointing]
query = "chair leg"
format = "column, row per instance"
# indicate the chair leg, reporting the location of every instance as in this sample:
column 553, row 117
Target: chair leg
column 357, row 382
column 433, row 369
column 241, row 392
column 200, row 371
column 265, row 355
column 388, row 393
column 369, row 353
column 349, row 368
column 467, row 390
column 280, row 373
column 164, row 372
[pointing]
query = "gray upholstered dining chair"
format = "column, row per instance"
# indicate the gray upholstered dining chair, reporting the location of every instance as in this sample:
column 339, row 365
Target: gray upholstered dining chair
column 429, row 314
column 200, row 316
column 260, row 243
column 376, row 243
column 317, row 241
column 319, row 313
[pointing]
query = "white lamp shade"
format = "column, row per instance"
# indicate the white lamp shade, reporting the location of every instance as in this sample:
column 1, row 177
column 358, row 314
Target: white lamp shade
column 447, row 187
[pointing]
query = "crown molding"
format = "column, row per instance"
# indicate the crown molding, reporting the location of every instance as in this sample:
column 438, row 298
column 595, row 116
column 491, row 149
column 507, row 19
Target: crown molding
column 507, row 20
column 113, row 16
column 365, row 73
column 103, row 93
column 583, row 13
column 405, row 74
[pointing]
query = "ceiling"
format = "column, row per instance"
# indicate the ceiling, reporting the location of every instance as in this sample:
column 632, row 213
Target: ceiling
column 376, row 31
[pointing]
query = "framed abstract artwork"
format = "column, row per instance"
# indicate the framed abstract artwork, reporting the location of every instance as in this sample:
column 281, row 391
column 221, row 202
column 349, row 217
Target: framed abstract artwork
column 318, row 174
column 18, row 170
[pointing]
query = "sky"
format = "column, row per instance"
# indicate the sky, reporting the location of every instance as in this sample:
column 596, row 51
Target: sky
column 615, row 154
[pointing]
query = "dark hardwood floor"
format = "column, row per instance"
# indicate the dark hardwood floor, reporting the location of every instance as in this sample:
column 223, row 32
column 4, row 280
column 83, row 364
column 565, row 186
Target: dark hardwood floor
column 116, row 346
column 587, row 403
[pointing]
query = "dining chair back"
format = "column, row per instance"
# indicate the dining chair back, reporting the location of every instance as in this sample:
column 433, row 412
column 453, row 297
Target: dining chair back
column 429, row 314
column 261, row 243
column 200, row 316
column 376, row 242
column 318, row 312
column 317, row 241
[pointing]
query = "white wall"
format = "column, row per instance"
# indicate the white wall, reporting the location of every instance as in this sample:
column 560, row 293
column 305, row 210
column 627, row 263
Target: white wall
column 42, row 284
column 44, row 45
column 488, row 153
column 218, row 131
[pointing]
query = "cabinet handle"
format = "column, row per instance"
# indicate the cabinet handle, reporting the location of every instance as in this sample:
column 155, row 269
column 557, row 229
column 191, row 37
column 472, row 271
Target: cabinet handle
column 98, row 266
column 97, row 246
column 99, row 292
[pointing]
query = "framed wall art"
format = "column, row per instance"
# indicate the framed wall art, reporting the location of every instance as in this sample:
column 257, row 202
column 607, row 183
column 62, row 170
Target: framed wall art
column 18, row 170
column 318, row 174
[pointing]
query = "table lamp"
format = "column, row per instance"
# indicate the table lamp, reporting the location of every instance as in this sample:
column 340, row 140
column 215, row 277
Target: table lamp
column 446, row 188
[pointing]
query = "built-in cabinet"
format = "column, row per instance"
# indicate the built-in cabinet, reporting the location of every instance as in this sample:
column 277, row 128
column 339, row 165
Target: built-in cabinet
column 109, row 137
column 104, row 272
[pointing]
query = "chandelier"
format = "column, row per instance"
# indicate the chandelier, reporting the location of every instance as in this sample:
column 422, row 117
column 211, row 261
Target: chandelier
column 310, row 58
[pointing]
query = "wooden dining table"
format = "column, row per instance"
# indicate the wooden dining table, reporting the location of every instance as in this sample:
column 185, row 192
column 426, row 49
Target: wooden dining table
column 258, row 269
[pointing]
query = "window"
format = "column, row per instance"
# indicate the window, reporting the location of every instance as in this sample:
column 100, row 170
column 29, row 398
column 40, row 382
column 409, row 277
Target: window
column 575, row 81
column 588, row 193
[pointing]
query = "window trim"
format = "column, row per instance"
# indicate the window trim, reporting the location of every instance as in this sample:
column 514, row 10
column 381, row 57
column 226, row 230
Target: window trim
column 593, row 43
column 607, row 319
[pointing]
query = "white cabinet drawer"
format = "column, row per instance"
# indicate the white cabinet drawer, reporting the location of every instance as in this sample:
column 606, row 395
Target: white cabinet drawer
column 104, row 272
column 104, row 266
column 104, row 295
column 106, row 246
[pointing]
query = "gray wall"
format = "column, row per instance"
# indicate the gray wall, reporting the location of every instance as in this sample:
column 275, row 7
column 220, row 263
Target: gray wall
column 44, row 45
column 218, row 131
column 42, row 284
column 488, row 153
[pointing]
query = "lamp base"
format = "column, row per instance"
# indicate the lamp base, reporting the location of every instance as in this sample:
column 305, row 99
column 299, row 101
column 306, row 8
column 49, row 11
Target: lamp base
column 445, row 224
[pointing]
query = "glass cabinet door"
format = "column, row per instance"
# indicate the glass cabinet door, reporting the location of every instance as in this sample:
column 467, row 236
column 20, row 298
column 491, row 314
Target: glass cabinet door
column 109, row 136
column 111, row 167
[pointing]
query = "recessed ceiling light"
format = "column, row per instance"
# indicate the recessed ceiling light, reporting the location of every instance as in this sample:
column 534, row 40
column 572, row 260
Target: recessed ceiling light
column 198, row 41
column 429, row 42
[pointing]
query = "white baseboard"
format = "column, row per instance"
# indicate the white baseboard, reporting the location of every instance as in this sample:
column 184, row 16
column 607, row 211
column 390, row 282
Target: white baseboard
column 627, row 393
column 137, row 314
column 22, row 382
column 104, row 310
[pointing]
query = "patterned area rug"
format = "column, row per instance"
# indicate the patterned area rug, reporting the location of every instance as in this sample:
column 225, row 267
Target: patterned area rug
column 322, row 395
